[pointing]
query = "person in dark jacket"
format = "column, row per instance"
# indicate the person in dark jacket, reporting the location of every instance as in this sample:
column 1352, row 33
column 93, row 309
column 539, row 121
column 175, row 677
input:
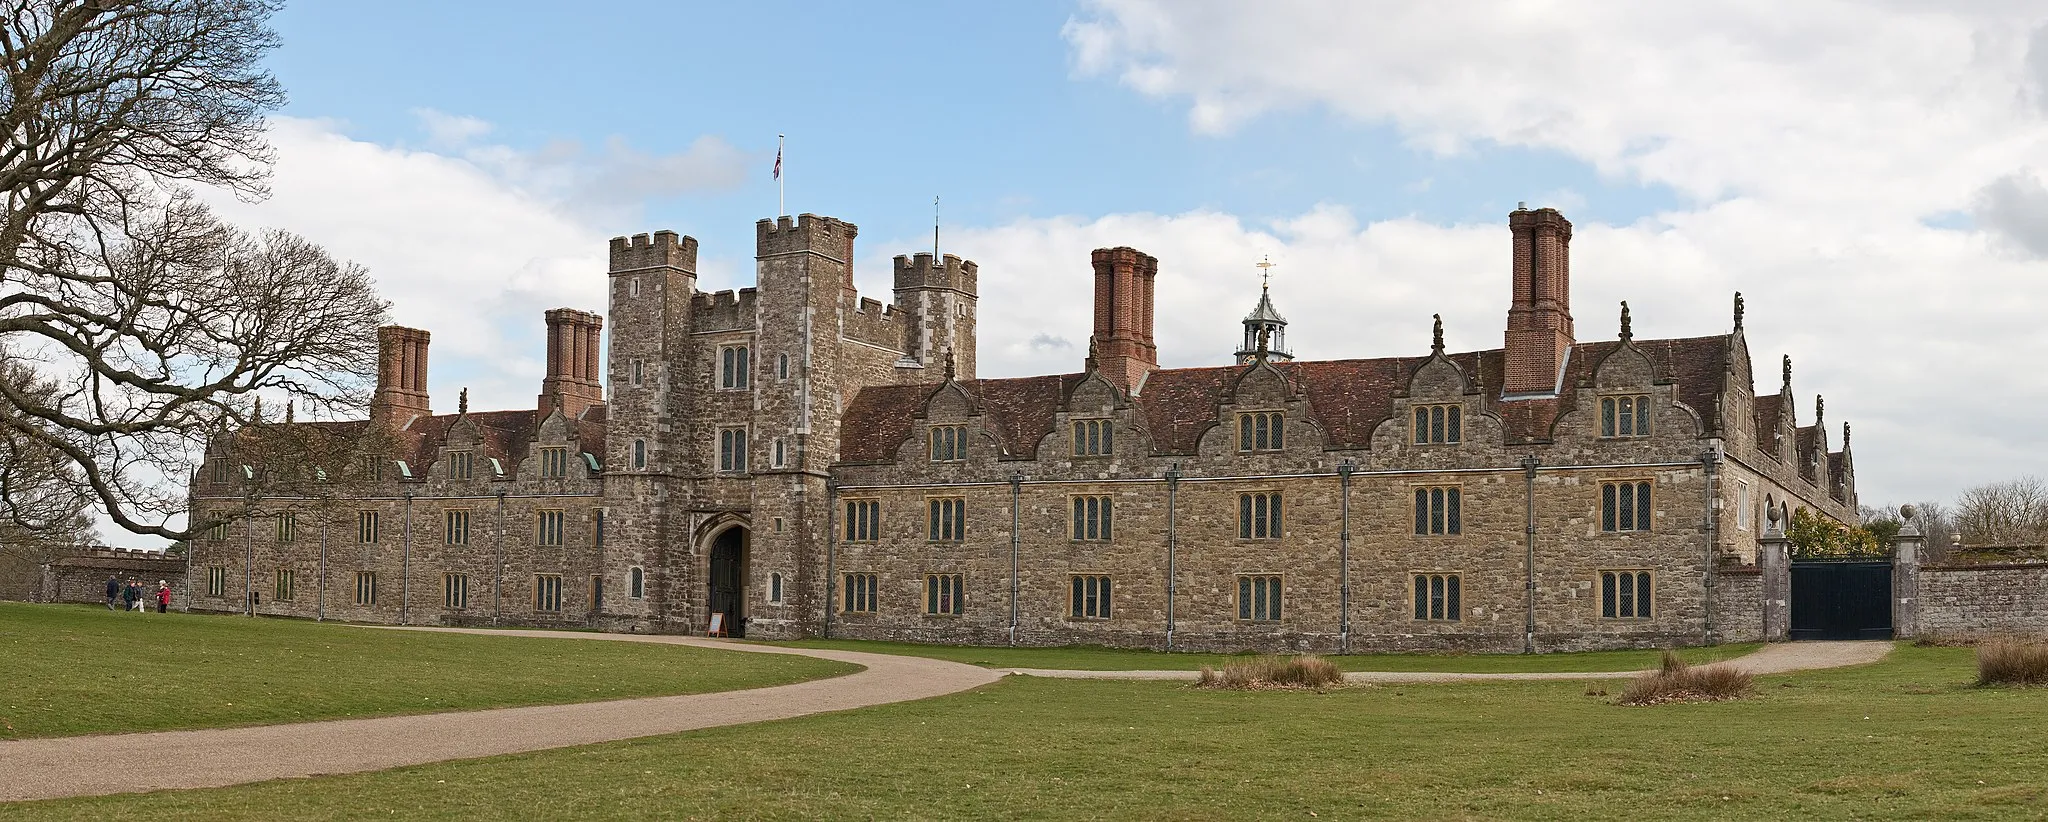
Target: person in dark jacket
column 132, row 595
column 113, row 592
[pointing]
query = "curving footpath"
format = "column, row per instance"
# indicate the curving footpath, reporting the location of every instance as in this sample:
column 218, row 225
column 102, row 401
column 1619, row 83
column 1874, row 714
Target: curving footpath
column 1771, row 659
column 127, row 763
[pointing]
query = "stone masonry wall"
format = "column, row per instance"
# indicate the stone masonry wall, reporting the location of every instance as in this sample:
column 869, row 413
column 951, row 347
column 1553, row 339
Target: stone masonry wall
column 1983, row 600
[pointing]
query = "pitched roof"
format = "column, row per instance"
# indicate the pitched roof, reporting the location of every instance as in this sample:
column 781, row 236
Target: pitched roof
column 1767, row 410
column 1348, row 398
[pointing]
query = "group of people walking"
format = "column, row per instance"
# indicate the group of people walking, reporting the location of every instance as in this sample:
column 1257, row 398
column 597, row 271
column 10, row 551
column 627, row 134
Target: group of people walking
column 131, row 596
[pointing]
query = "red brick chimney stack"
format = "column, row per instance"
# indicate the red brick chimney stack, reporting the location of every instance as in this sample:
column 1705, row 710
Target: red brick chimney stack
column 573, row 381
column 401, row 376
column 1539, row 336
column 1122, row 347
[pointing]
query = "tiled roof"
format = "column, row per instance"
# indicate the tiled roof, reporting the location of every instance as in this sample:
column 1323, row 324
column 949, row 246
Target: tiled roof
column 1806, row 440
column 1349, row 398
column 501, row 434
column 1767, row 410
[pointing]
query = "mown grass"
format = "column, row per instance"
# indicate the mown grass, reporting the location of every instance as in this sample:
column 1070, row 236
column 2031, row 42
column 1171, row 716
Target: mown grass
column 1095, row 658
column 1906, row 738
column 69, row 670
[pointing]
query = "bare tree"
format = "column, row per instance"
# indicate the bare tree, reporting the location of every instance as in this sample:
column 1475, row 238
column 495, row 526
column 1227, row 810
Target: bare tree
column 2014, row 512
column 43, row 509
column 157, row 324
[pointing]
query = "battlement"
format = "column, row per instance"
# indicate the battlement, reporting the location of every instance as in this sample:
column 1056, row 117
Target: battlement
column 723, row 310
column 660, row 249
column 830, row 236
column 917, row 271
column 878, row 323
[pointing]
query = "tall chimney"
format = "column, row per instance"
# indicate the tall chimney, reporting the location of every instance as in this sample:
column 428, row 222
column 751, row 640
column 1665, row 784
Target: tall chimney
column 1539, row 336
column 572, row 382
column 1122, row 348
column 401, row 376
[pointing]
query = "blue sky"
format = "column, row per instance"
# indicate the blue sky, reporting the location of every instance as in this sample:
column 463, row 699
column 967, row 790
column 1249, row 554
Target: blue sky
column 885, row 105
column 1873, row 176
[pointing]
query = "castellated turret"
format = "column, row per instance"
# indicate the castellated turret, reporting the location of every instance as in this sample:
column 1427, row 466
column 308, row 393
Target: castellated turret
column 940, row 299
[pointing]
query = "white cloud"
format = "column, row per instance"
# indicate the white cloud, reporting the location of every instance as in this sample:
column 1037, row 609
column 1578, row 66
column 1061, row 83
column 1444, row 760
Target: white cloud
column 446, row 129
column 1813, row 139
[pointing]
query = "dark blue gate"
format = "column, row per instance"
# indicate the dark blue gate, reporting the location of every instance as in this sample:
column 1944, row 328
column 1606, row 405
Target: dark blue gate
column 1842, row 599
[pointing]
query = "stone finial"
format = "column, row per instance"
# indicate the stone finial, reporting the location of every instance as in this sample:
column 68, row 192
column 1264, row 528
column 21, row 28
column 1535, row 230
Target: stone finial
column 949, row 365
column 1265, row 342
column 1436, row 335
column 1845, row 435
column 1908, row 526
column 289, row 406
column 1820, row 411
column 462, row 401
column 256, row 411
column 1627, row 327
column 1907, row 512
column 1788, row 372
column 1738, row 311
column 1772, row 516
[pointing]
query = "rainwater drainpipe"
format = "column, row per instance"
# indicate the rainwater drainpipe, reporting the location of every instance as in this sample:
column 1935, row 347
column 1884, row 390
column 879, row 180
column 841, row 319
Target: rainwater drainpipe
column 1172, row 546
column 1529, row 465
column 1344, row 470
column 1016, row 519
column 1708, row 460
column 320, row 598
column 831, row 549
column 498, row 563
column 248, row 541
column 405, row 569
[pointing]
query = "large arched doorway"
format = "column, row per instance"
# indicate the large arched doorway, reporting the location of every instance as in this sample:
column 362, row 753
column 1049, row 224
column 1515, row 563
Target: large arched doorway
column 728, row 593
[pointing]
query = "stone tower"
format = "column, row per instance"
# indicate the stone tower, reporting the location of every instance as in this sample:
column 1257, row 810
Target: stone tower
column 652, row 281
column 1539, row 334
column 940, row 298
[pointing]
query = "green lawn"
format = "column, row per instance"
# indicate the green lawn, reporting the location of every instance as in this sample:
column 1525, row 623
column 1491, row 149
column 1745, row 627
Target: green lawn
column 67, row 670
column 1905, row 738
column 1080, row 658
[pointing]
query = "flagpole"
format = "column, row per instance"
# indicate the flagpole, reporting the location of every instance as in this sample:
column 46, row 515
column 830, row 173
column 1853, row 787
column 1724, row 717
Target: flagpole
column 781, row 207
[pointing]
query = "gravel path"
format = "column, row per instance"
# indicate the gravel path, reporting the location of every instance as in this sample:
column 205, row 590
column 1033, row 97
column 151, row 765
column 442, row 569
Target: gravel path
column 1771, row 659
column 126, row 763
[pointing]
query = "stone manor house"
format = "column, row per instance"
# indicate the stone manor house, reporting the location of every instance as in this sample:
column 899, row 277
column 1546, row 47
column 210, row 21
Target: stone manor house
column 798, row 460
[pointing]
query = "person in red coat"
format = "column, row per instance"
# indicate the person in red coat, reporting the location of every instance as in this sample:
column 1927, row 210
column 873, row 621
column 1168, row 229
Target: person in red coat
column 163, row 596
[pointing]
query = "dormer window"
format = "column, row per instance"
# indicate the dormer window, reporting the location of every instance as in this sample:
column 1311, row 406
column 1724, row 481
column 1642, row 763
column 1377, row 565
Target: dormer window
column 1439, row 424
column 1261, row 431
column 554, row 463
column 459, row 465
column 1625, row 416
column 949, row 443
column 220, row 471
column 1094, row 438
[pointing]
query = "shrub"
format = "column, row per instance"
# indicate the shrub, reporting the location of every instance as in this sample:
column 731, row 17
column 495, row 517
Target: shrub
column 2012, row 662
column 1675, row 681
column 1272, row 672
